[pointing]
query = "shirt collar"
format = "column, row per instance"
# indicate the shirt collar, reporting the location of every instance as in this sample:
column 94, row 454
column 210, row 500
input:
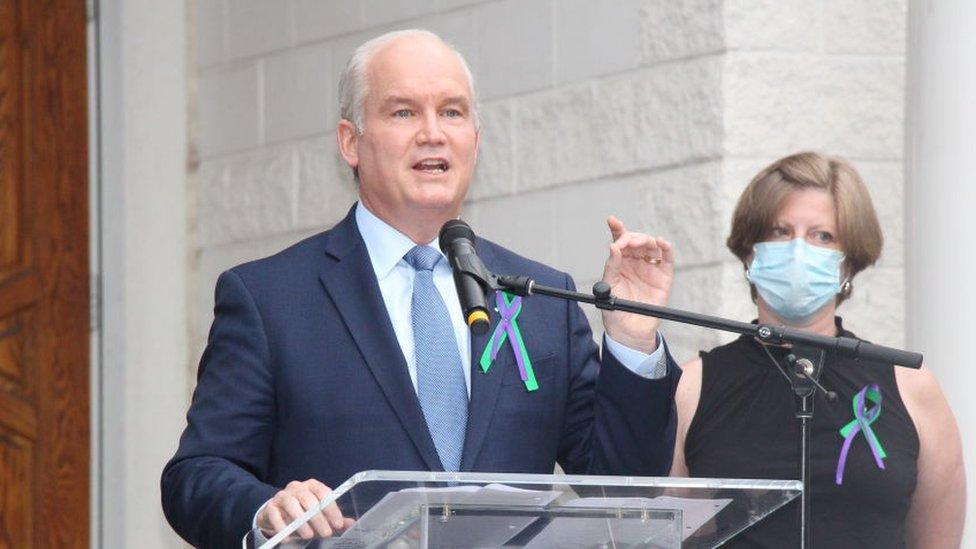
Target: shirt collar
column 386, row 245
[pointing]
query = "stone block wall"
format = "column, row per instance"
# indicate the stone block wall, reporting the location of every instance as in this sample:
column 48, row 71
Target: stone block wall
column 657, row 111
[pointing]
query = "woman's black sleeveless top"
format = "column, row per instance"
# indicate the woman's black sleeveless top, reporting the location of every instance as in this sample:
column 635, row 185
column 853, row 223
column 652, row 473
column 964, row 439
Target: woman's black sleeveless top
column 745, row 427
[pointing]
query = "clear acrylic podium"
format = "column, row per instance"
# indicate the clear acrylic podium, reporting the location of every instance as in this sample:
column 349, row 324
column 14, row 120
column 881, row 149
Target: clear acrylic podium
column 406, row 509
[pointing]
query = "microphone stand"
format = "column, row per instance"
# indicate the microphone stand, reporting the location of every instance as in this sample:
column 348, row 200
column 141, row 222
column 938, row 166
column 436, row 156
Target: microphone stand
column 804, row 383
column 767, row 333
column 805, row 360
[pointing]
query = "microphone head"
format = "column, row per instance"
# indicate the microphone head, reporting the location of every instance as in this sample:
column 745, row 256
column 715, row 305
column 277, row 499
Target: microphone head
column 478, row 322
column 453, row 230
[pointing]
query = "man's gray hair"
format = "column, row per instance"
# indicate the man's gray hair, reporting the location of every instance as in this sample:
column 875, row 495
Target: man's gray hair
column 353, row 85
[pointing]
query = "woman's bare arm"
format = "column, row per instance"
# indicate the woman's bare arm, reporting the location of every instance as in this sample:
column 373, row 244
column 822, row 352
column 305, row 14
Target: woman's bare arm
column 686, row 401
column 938, row 507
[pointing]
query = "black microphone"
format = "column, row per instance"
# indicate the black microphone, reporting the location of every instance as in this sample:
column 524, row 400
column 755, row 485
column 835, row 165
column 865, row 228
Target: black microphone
column 470, row 275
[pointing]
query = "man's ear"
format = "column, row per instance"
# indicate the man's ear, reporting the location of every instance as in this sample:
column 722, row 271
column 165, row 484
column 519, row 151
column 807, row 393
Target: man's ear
column 348, row 137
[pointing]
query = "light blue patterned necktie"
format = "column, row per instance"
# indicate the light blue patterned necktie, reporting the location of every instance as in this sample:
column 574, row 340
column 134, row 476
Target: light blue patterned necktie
column 440, row 375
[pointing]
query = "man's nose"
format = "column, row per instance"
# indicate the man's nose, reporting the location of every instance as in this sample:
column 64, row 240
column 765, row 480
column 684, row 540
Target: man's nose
column 430, row 132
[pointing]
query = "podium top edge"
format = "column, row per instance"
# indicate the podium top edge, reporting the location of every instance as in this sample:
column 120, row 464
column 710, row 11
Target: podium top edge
column 579, row 480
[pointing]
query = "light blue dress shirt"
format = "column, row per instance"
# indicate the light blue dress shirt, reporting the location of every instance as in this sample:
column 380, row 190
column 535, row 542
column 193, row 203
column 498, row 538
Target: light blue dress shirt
column 387, row 246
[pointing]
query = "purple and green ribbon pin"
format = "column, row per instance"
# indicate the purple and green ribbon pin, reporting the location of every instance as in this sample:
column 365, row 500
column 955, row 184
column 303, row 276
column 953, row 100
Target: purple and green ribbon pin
column 507, row 328
column 863, row 418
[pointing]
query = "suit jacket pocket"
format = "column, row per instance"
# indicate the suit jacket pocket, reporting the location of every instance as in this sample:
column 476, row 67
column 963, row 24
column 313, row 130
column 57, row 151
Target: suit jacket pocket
column 542, row 367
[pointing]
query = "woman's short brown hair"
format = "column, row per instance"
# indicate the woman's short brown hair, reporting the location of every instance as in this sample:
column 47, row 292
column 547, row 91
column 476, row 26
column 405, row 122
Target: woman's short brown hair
column 859, row 232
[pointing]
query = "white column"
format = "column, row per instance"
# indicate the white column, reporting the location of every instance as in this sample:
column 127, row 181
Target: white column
column 142, row 86
column 941, row 199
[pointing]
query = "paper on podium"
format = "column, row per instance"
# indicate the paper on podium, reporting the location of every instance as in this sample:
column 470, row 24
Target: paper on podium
column 400, row 510
column 694, row 512
column 589, row 532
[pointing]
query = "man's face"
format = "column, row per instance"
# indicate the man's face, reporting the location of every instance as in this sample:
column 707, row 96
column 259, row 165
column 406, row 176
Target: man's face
column 419, row 143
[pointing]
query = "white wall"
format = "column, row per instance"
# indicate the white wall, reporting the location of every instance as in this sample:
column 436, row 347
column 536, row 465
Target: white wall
column 940, row 148
column 216, row 124
column 654, row 110
column 142, row 101
column 217, row 146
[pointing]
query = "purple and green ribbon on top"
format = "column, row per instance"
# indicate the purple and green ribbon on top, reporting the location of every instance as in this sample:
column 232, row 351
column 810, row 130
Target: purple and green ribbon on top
column 863, row 418
column 507, row 328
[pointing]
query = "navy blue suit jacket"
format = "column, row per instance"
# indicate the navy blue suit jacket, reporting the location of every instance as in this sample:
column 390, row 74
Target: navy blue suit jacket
column 303, row 378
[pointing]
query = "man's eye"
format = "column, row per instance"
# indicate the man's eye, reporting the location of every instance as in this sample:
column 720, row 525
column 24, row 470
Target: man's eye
column 453, row 113
column 402, row 113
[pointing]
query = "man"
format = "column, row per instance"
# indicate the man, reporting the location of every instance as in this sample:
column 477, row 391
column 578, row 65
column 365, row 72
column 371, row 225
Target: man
column 347, row 351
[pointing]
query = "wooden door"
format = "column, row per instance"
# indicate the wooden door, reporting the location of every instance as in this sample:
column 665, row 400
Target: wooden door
column 44, row 327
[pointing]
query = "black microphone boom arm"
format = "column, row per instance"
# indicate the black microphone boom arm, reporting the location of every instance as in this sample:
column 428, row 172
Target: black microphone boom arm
column 602, row 298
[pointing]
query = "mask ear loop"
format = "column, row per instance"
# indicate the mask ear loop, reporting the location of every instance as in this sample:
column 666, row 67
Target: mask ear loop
column 847, row 286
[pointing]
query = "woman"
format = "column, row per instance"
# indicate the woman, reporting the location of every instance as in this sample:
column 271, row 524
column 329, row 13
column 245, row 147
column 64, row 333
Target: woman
column 803, row 229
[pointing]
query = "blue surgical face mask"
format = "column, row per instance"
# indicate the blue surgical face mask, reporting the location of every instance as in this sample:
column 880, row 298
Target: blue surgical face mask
column 795, row 278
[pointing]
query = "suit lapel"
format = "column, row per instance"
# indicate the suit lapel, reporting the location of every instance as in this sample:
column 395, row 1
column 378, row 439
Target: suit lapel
column 484, row 386
column 349, row 279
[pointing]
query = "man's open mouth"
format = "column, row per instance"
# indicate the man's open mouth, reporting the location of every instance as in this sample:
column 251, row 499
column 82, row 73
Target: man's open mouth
column 432, row 165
